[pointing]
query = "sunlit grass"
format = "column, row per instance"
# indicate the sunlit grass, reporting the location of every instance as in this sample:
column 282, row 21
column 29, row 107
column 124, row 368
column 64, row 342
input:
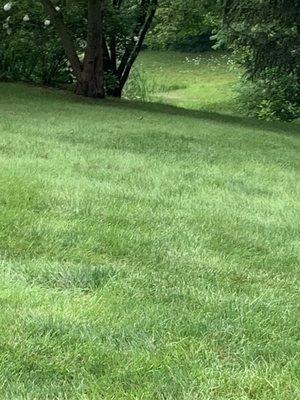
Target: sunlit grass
column 147, row 252
column 196, row 81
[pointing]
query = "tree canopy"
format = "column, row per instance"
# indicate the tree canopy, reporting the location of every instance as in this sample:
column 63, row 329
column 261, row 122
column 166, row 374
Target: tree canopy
column 264, row 36
column 96, row 42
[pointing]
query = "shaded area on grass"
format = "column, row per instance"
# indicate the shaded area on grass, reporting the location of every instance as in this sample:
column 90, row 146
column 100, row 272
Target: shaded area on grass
column 146, row 251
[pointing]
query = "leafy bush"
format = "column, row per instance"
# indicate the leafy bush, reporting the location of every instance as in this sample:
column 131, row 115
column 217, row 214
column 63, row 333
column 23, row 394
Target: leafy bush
column 273, row 95
column 192, row 44
column 12, row 68
column 30, row 50
column 41, row 64
column 264, row 38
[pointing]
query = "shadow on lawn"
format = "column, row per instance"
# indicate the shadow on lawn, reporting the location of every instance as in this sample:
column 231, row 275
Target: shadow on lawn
column 283, row 128
column 274, row 126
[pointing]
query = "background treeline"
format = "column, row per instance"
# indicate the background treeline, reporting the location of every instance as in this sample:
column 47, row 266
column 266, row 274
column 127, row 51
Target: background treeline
column 262, row 35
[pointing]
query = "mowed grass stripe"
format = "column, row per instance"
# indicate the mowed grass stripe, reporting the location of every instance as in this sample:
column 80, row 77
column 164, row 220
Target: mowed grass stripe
column 146, row 252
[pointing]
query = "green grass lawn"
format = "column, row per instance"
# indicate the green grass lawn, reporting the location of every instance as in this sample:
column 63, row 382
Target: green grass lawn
column 195, row 81
column 147, row 252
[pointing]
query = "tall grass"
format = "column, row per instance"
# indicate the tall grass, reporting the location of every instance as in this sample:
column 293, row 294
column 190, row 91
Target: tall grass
column 139, row 86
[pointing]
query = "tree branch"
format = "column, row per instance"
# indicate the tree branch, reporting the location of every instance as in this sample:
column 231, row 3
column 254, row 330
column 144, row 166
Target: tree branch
column 142, row 25
column 65, row 37
column 117, row 3
column 125, row 67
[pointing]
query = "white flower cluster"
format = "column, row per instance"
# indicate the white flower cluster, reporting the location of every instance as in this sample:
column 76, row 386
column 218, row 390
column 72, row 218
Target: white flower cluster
column 8, row 6
column 26, row 18
column 6, row 26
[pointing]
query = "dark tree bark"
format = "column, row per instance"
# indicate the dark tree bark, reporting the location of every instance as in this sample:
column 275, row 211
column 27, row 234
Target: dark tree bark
column 147, row 9
column 100, row 54
column 92, row 77
column 89, row 74
column 144, row 22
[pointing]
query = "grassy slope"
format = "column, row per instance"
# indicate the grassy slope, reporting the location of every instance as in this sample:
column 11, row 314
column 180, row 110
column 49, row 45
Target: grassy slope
column 193, row 81
column 147, row 253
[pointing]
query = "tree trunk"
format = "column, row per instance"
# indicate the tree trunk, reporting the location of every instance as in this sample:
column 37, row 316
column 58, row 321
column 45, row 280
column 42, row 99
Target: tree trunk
column 91, row 82
column 147, row 9
column 115, row 92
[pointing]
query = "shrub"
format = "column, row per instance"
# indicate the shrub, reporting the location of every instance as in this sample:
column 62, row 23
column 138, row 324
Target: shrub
column 192, row 44
column 41, row 64
column 264, row 38
column 273, row 95
column 30, row 50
